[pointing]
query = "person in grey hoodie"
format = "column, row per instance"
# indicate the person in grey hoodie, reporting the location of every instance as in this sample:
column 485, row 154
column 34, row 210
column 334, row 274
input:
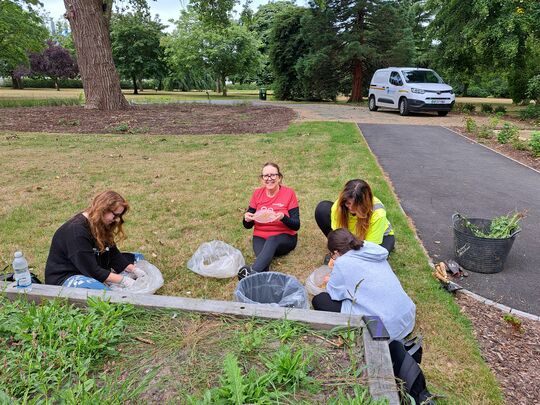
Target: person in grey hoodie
column 363, row 283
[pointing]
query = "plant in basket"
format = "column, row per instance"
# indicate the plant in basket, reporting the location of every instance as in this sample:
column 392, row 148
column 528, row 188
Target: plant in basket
column 500, row 228
column 482, row 245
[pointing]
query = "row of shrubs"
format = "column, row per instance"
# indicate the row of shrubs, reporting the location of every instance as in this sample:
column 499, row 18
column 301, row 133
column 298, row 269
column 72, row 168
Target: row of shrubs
column 485, row 108
column 37, row 83
column 40, row 83
column 508, row 134
column 532, row 111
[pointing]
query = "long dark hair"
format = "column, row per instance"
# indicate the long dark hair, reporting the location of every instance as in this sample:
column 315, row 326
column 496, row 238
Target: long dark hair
column 106, row 235
column 359, row 192
column 342, row 240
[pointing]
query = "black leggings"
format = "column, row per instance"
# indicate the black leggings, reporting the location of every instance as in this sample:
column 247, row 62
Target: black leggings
column 322, row 217
column 266, row 249
column 323, row 302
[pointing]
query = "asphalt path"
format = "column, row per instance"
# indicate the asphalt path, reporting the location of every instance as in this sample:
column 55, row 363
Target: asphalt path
column 435, row 173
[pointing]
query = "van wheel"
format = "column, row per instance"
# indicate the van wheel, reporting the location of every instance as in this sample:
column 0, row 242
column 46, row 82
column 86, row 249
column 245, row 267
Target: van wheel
column 442, row 113
column 403, row 106
column 372, row 105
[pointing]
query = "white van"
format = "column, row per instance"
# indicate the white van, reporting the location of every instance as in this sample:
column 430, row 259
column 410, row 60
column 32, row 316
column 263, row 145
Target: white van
column 410, row 89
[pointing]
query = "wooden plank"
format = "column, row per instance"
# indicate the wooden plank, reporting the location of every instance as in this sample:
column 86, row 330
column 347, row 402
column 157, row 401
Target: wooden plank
column 316, row 319
column 379, row 366
column 381, row 381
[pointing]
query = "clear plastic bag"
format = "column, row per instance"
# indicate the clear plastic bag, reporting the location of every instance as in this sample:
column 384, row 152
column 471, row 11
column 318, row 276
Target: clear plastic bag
column 147, row 284
column 316, row 282
column 272, row 288
column 216, row 259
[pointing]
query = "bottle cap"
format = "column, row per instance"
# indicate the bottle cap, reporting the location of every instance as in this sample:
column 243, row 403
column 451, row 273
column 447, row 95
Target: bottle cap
column 18, row 254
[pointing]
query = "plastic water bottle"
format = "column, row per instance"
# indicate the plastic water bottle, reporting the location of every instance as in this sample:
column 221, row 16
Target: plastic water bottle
column 22, row 274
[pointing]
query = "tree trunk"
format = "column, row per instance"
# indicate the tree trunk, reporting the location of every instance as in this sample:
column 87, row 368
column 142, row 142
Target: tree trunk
column 134, row 85
column 89, row 21
column 16, row 83
column 356, row 94
column 218, row 86
column 141, row 87
column 358, row 71
column 56, row 84
column 223, row 79
column 465, row 89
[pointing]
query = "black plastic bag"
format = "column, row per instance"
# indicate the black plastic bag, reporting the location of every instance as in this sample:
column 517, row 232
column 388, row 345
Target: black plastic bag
column 407, row 371
column 9, row 277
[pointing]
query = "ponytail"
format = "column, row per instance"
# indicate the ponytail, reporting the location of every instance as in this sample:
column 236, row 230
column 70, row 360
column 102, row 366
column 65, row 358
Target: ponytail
column 342, row 240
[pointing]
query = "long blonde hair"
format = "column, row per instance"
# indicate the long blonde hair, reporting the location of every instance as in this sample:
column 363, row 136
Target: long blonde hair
column 106, row 235
column 359, row 192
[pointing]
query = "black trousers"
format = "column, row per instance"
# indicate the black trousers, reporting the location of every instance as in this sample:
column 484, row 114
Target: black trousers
column 322, row 217
column 266, row 249
column 323, row 302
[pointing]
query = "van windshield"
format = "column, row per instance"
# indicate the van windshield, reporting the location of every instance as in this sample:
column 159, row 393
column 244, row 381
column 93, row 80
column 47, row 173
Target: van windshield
column 421, row 76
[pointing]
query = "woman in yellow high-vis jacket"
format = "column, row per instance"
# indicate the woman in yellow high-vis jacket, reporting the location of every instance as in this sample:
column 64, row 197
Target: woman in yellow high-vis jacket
column 358, row 210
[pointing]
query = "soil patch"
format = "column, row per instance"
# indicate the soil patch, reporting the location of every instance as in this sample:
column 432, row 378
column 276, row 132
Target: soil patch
column 521, row 156
column 174, row 119
column 512, row 352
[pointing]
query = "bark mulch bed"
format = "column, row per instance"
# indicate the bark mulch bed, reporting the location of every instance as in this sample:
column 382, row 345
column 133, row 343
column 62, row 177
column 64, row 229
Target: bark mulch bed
column 512, row 351
column 173, row 119
column 521, row 156
column 512, row 354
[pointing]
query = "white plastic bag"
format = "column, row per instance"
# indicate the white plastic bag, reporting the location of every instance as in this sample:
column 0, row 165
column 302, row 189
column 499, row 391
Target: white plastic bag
column 216, row 259
column 315, row 282
column 147, row 284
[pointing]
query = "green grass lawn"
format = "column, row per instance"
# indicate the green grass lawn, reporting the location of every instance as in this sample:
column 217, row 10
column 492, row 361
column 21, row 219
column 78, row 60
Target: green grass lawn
column 185, row 190
column 28, row 97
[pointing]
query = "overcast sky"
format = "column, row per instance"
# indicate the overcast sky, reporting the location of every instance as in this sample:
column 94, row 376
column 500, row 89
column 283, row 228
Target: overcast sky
column 166, row 9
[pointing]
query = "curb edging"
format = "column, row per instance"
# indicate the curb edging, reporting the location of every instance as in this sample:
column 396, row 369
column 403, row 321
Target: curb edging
column 501, row 307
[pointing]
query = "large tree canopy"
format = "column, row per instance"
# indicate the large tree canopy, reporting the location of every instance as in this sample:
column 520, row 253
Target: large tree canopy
column 55, row 62
column 335, row 45
column 136, row 46
column 21, row 31
column 222, row 51
column 482, row 34
column 261, row 24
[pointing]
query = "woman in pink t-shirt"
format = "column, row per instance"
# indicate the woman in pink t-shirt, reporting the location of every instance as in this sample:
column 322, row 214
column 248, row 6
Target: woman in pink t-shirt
column 273, row 210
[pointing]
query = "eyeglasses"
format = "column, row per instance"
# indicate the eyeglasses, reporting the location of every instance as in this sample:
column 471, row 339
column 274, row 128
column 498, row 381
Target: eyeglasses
column 115, row 215
column 271, row 176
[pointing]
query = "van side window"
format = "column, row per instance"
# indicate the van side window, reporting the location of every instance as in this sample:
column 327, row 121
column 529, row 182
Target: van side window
column 395, row 79
column 379, row 77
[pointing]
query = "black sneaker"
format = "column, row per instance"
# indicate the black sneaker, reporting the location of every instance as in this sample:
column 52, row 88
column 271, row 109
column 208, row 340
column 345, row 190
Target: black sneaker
column 245, row 271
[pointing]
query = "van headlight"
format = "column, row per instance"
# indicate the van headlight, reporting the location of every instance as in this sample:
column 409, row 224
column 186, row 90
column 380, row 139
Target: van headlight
column 417, row 91
column 452, row 91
